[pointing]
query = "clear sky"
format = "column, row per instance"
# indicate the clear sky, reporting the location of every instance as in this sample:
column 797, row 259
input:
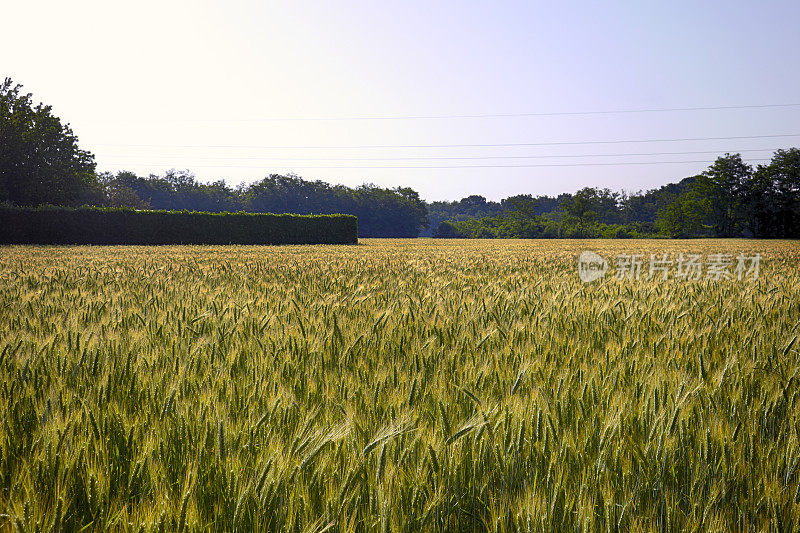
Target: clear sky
column 152, row 85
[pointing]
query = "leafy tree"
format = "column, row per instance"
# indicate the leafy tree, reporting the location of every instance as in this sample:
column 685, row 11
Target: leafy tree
column 381, row 212
column 118, row 194
column 722, row 187
column 176, row 190
column 643, row 207
column 447, row 230
column 520, row 218
column 582, row 209
column 685, row 214
column 40, row 162
column 783, row 174
column 729, row 199
column 758, row 203
column 474, row 206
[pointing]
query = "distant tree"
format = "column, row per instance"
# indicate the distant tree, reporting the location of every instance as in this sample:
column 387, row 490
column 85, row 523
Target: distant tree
column 519, row 219
column 471, row 207
column 118, row 194
column 40, row 161
column 783, row 174
column 685, row 214
column 722, row 187
column 582, row 209
column 416, row 212
column 176, row 190
column 758, row 203
column 381, row 212
column 447, row 230
column 729, row 199
column 474, row 202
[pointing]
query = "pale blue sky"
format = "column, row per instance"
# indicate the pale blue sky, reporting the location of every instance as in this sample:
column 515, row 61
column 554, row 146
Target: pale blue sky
column 193, row 80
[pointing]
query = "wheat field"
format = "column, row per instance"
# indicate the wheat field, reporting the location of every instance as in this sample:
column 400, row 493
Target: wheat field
column 415, row 385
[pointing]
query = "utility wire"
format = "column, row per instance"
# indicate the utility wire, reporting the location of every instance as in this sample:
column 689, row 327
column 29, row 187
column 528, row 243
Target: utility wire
column 480, row 115
column 559, row 143
column 460, row 158
column 451, row 166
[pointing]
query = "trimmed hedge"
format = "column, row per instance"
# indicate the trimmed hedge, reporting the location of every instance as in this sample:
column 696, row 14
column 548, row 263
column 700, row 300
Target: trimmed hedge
column 89, row 225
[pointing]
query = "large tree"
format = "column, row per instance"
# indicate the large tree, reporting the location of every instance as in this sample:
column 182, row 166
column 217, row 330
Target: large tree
column 784, row 174
column 684, row 215
column 723, row 187
column 582, row 209
column 40, row 161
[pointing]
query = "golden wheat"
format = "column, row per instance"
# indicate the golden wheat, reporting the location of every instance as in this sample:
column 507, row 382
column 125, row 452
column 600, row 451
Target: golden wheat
column 395, row 386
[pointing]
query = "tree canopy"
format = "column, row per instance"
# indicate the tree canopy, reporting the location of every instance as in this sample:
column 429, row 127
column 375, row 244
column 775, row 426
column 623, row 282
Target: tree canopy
column 381, row 212
column 40, row 161
column 729, row 199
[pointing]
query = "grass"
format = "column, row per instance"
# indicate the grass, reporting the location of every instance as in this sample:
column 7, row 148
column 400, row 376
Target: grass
column 396, row 386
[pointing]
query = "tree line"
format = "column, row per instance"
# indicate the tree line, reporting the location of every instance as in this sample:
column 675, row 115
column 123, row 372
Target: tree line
column 729, row 199
column 381, row 212
column 42, row 164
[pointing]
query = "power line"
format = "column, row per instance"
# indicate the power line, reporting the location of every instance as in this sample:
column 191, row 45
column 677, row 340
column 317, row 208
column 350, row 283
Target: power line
column 454, row 166
column 465, row 116
column 462, row 158
column 497, row 145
